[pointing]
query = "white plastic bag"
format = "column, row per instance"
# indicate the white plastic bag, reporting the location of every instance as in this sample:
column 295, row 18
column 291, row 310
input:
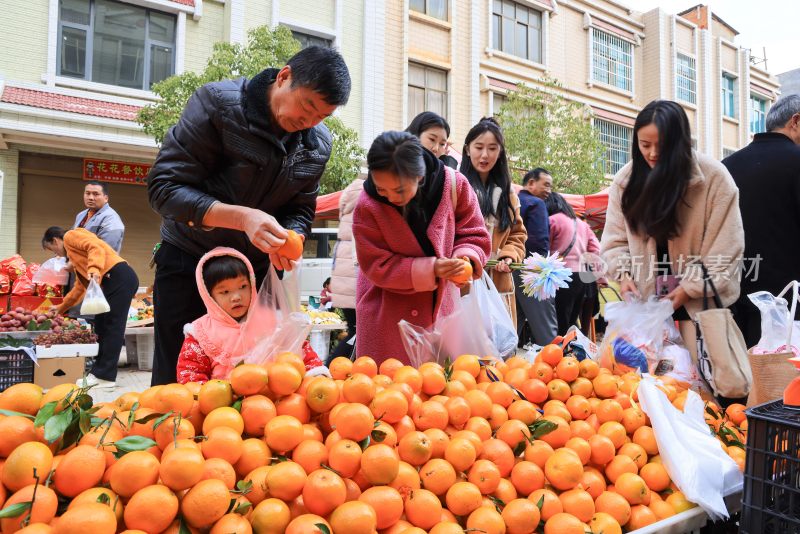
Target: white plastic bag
column 690, row 453
column 52, row 272
column 777, row 327
column 496, row 319
column 635, row 334
column 94, row 302
column 450, row 336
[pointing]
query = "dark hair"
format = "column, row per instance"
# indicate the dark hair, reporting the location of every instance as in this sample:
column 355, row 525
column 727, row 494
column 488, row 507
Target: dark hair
column 51, row 234
column 556, row 203
column 534, row 175
column 449, row 160
column 326, row 282
column 651, row 198
column 425, row 121
column 221, row 268
column 397, row 152
column 498, row 176
column 323, row 70
column 102, row 185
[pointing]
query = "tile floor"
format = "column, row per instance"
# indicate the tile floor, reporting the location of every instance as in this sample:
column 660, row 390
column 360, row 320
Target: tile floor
column 129, row 378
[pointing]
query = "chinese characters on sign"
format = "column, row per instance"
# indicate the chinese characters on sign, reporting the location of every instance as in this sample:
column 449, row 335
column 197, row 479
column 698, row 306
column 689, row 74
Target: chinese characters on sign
column 121, row 172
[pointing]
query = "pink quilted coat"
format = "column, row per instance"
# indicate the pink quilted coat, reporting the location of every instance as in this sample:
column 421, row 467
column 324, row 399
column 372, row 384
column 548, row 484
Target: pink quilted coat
column 396, row 281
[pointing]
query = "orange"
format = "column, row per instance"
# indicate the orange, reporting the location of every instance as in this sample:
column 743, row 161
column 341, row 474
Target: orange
column 283, row 433
column 182, row 468
column 633, row 488
column 439, row 440
column 174, row 428
column 567, row 369
column 559, row 408
column 498, row 417
column 259, row 488
column 582, row 386
column 676, row 499
column 563, row 470
column 225, row 443
column 295, row 405
column 380, row 464
column 358, row 388
column 92, row 494
column 661, row 509
column 466, row 274
column 433, row 380
column 219, row 469
column 323, row 492
column 646, row 438
column 354, row 421
column 593, row 482
column 27, row 458
column 603, row 449
column 307, row 524
column 609, row 410
column 618, row 465
column 634, row 452
column 286, row 480
column 423, row 509
column 505, row 491
column 409, row 375
column 521, row 516
column 641, row 516
column 589, row 368
column 527, row 477
column 534, row 389
column 614, row 505
column 560, row 435
column 365, row 365
column 43, row 509
column 632, row 419
column 223, row 416
column 431, row 414
column 605, row 386
column 255, row 453
column 603, row 523
column 284, row 378
column 389, row 366
column 547, row 502
column 469, row 363
column 151, row 509
column 345, row 457
column 460, row 452
column 271, row 516
column 486, row 520
column 479, row 402
column 91, row 517
column 292, row 248
column 538, row 452
column 501, row 393
column 579, row 407
column 322, row 394
column 437, row 476
column 214, row 394
column 513, row 432
column 14, row 431
column 310, row 454
column 80, row 469
column 354, row 517
column 415, row 448
column 613, row 431
column 389, row 405
column 564, row 523
column 522, row 410
column 655, row 476
column 387, row 503
column 248, row 379
column 499, row 453
column 550, row 354
column 133, row 472
column 463, row 498
column 353, row 490
column 581, row 448
column 485, row 475
column 735, row 413
column 340, row 368
column 581, row 429
column 407, row 479
column 205, row 503
column 579, row 503
column 24, row 398
column 559, row 390
column 58, row 393
column 232, row 524
column 176, row 398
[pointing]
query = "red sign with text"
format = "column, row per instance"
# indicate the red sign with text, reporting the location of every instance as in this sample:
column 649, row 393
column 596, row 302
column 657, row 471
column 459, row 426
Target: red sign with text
column 120, row 172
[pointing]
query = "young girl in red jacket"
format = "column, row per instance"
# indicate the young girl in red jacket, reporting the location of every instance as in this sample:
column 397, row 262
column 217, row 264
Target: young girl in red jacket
column 217, row 341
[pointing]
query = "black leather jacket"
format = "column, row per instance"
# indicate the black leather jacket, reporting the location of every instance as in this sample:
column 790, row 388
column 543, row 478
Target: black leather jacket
column 224, row 148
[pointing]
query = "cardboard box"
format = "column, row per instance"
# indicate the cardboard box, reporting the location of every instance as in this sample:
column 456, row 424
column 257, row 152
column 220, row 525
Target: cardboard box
column 67, row 351
column 37, row 304
column 54, row 371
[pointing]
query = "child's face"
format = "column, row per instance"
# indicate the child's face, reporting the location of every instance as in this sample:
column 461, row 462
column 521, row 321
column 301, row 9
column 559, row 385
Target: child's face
column 233, row 296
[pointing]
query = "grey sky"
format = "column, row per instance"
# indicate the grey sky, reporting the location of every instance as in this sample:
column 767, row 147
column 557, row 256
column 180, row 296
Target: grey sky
column 767, row 23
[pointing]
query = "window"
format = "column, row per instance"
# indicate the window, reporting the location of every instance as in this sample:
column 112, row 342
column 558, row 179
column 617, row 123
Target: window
column 517, row 30
column 307, row 40
column 727, row 152
column 427, row 90
column 119, row 44
column 686, row 77
column 498, row 100
column 612, row 60
column 728, row 96
column 758, row 115
column 617, row 140
column 434, row 8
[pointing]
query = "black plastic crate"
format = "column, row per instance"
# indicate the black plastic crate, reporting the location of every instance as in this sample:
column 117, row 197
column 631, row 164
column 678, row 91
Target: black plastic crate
column 15, row 367
column 771, row 498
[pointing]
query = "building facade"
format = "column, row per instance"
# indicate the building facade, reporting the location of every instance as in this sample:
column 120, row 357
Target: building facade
column 74, row 73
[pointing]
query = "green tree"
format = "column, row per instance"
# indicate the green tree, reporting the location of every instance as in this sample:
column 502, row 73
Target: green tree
column 545, row 129
column 265, row 48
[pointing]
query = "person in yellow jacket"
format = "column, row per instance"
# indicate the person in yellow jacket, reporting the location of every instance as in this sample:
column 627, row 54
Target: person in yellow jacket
column 93, row 259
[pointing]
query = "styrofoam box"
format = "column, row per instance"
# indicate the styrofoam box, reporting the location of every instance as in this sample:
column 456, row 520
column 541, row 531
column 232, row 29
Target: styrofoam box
column 67, row 351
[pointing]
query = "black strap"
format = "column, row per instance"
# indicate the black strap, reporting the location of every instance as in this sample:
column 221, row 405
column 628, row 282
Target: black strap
column 574, row 237
column 707, row 282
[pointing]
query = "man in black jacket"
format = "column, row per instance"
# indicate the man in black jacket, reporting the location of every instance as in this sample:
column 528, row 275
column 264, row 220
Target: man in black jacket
column 767, row 172
column 241, row 167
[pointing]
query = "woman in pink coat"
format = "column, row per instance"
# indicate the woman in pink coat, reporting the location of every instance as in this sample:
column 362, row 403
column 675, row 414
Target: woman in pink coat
column 409, row 235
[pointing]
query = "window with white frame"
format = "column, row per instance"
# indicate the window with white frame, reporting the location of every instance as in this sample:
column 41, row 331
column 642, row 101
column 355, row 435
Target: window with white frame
column 758, row 114
column 727, row 152
column 498, row 100
column 616, row 139
column 427, row 90
column 612, row 60
column 686, row 79
column 433, row 8
column 115, row 43
column 307, row 40
column 728, row 96
column 517, row 30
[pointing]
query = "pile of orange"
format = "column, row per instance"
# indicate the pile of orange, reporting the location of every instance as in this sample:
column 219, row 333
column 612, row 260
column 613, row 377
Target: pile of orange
column 494, row 447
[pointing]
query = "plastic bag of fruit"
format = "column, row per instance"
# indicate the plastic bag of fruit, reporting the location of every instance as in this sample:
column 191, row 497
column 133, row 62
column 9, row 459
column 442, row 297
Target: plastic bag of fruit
column 691, row 454
column 635, row 334
column 23, row 287
column 495, row 317
column 450, row 336
column 94, row 302
column 52, row 272
column 13, row 267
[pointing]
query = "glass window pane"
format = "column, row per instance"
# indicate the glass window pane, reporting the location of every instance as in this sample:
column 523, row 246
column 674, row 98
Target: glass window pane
column 508, row 9
column 162, row 27
column 497, row 21
column 534, row 45
column 73, row 52
column 522, row 15
column 497, row 7
column 160, row 63
column 417, row 5
column 437, row 103
column 508, row 35
column 534, row 19
column 437, row 80
column 416, row 75
column 521, row 44
column 118, row 44
column 76, row 11
column 416, row 101
column 438, row 9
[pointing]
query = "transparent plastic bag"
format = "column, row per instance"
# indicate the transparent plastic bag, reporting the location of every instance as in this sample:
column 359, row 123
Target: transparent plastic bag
column 274, row 323
column 778, row 330
column 689, row 452
column 496, row 319
column 52, row 272
column 94, row 302
column 676, row 362
column 635, row 334
column 450, row 336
